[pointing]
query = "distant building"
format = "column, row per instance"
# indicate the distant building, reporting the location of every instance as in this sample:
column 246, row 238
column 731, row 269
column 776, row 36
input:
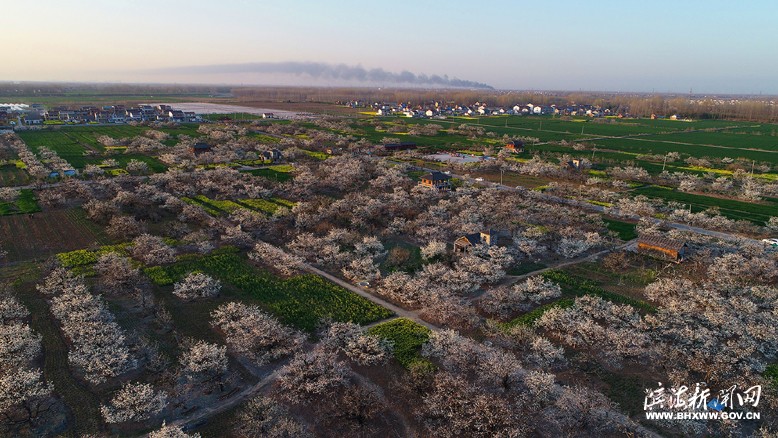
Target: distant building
column 662, row 247
column 436, row 180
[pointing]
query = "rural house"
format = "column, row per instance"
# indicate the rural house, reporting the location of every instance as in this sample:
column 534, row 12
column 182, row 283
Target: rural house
column 662, row 247
column 490, row 238
column 436, row 180
column 272, row 156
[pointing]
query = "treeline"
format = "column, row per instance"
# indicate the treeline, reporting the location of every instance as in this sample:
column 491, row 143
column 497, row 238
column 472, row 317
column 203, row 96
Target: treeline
column 60, row 89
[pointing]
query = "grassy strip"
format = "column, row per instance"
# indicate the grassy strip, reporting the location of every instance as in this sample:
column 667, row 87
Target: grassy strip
column 757, row 213
column 301, row 301
column 625, row 230
column 26, row 203
column 221, row 208
column 407, row 337
column 576, row 287
column 571, row 288
column 529, row 318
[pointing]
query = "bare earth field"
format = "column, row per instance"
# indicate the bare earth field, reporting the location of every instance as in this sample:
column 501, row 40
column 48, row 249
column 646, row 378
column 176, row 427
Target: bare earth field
column 47, row 233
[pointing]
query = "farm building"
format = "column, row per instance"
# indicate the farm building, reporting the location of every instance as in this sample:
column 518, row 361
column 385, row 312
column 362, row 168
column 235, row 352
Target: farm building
column 515, row 146
column 200, row 148
column 490, row 238
column 662, row 247
column 436, row 180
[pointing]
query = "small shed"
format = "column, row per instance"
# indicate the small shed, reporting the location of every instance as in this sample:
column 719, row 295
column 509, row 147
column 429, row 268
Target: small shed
column 662, row 247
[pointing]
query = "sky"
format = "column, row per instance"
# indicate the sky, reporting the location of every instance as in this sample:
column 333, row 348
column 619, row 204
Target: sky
column 663, row 46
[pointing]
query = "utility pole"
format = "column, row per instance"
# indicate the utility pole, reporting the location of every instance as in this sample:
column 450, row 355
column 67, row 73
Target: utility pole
column 663, row 163
column 752, row 167
column 594, row 149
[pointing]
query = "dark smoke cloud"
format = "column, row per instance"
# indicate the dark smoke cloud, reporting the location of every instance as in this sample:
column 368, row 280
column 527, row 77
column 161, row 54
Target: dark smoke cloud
column 328, row 71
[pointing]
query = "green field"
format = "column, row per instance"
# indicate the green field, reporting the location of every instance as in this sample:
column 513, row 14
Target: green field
column 573, row 287
column 625, row 230
column 24, row 204
column 407, row 337
column 78, row 145
column 301, row 301
column 738, row 210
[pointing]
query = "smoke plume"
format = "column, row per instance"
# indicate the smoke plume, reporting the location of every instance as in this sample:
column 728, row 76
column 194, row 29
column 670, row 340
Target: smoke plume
column 320, row 70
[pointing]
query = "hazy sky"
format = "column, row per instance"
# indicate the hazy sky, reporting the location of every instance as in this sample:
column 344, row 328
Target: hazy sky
column 709, row 46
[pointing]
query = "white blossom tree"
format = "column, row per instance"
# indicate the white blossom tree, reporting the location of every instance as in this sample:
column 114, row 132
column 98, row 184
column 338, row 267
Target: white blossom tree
column 134, row 402
column 204, row 360
column 250, row 331
column 312, row 374
column 197, row 285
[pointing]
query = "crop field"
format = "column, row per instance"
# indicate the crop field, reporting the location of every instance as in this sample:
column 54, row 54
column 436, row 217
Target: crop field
column 648, row 145
column 713, row 138
column 47, row 233
column 757, row 213
column 742, row 140
column 301, row 301
column 78, row 145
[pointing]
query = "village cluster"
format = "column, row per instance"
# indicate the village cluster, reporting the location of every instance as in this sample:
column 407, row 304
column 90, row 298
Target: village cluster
column 38, row 115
